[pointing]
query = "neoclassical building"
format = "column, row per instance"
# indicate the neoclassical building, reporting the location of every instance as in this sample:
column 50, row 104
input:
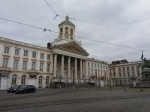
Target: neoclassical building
column 123, row 72
column 62, row 63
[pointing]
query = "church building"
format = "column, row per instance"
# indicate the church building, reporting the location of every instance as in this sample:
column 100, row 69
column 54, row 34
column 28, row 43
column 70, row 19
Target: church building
column 63, row 63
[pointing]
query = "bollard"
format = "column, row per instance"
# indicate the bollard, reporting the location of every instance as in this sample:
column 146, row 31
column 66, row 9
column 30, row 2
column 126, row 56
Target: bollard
column 99, row 87
column 110, row 88
column 124, row 88
column 141, row 89
column 89, row 87
column 77, row 87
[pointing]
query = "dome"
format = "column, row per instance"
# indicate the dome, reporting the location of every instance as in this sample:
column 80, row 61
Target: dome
column 66, row 22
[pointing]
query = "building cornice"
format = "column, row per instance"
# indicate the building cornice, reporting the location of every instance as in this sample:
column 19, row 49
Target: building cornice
column 23, row 44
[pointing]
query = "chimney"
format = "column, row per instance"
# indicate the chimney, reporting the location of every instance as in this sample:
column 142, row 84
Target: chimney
column 48, row 45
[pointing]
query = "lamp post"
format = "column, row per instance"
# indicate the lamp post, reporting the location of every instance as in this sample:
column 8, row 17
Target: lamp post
column 83, row 80
column 60, row 82
column 89, row 83
column 73, row 80
column 99, row 83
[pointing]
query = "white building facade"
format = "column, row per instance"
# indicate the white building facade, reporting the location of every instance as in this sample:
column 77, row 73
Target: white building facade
column 63, row 63
column 125, row 73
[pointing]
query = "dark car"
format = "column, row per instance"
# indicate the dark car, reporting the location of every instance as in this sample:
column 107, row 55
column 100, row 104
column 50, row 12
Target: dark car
column 12, row 89
column 25, row 89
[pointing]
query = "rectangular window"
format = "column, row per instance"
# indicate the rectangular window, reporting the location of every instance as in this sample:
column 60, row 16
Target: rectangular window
column 120, row 69
column 34, row 54
column 5, row 62
column 123, row 68
column 25, row 53
column 32, row 76
column 6, row 50
column 132, row 67
column 42, row 56
column 33, row 65
column 127, row 68
column 16, row 63
column 24, row 65
column 48, row 57
column 16, row 51
column 128, row 74
column 48, row 67
column 138, row 73
column 137, row 67
column 103, row 66
column 41, row 66
column 88, row 71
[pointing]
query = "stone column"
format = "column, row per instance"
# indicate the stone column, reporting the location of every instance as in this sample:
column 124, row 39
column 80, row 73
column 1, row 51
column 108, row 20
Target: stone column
column 80, row 69
column 55, row 64
column 86, row 73
column 135, row 70
column 90, row 69
column 51, row 64
column 62, row 66
column 68, row 67
column 75, row 68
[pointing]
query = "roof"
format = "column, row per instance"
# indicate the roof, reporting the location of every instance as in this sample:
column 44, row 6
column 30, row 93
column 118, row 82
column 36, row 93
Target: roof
column 66, row 22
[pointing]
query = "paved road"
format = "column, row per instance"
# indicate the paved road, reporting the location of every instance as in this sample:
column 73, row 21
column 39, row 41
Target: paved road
column 71, row 100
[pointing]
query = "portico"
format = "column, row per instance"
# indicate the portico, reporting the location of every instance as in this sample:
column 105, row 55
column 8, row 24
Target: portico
column 70, row 70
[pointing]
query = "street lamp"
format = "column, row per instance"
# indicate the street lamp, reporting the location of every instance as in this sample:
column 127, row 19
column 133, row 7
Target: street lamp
column 60, row 82
column 99, row 83
column 89, row 83
column 73, row 80
column 83, row 80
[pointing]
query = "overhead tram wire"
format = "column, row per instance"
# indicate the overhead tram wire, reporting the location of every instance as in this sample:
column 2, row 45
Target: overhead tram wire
column 108, row 26
column 106, row 42
column 94, row 22
column 21, row 23
column 51, row 8
column 44, row 28
column 75, row 36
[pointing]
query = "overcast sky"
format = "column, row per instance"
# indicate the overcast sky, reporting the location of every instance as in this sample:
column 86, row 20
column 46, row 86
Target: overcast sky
column 122, row 22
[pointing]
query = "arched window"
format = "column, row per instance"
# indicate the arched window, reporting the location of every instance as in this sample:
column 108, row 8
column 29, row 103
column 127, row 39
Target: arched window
column 66, row 30
column 14, row 79
column 61, row 31
column 23, row 79
column 47, row 80
column 71, row 33
column 40, row 79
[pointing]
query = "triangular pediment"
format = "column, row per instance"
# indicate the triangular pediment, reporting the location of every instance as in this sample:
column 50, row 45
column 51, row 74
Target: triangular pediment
column 72, row 47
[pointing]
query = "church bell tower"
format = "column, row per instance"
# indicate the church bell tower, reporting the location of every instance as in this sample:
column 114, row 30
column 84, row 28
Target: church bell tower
column 67, row 29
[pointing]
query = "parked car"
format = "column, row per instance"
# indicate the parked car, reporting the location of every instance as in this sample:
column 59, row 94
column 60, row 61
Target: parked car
column 12, row 89
column 138, row 84
column 25, row 89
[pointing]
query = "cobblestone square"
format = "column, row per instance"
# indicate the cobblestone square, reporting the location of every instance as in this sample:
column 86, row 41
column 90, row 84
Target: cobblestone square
column 81, row 100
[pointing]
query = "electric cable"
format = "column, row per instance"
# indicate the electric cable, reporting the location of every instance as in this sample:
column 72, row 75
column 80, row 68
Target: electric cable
column 75, row 36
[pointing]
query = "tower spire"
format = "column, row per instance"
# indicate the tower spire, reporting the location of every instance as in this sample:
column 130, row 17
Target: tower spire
column 67, row 17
